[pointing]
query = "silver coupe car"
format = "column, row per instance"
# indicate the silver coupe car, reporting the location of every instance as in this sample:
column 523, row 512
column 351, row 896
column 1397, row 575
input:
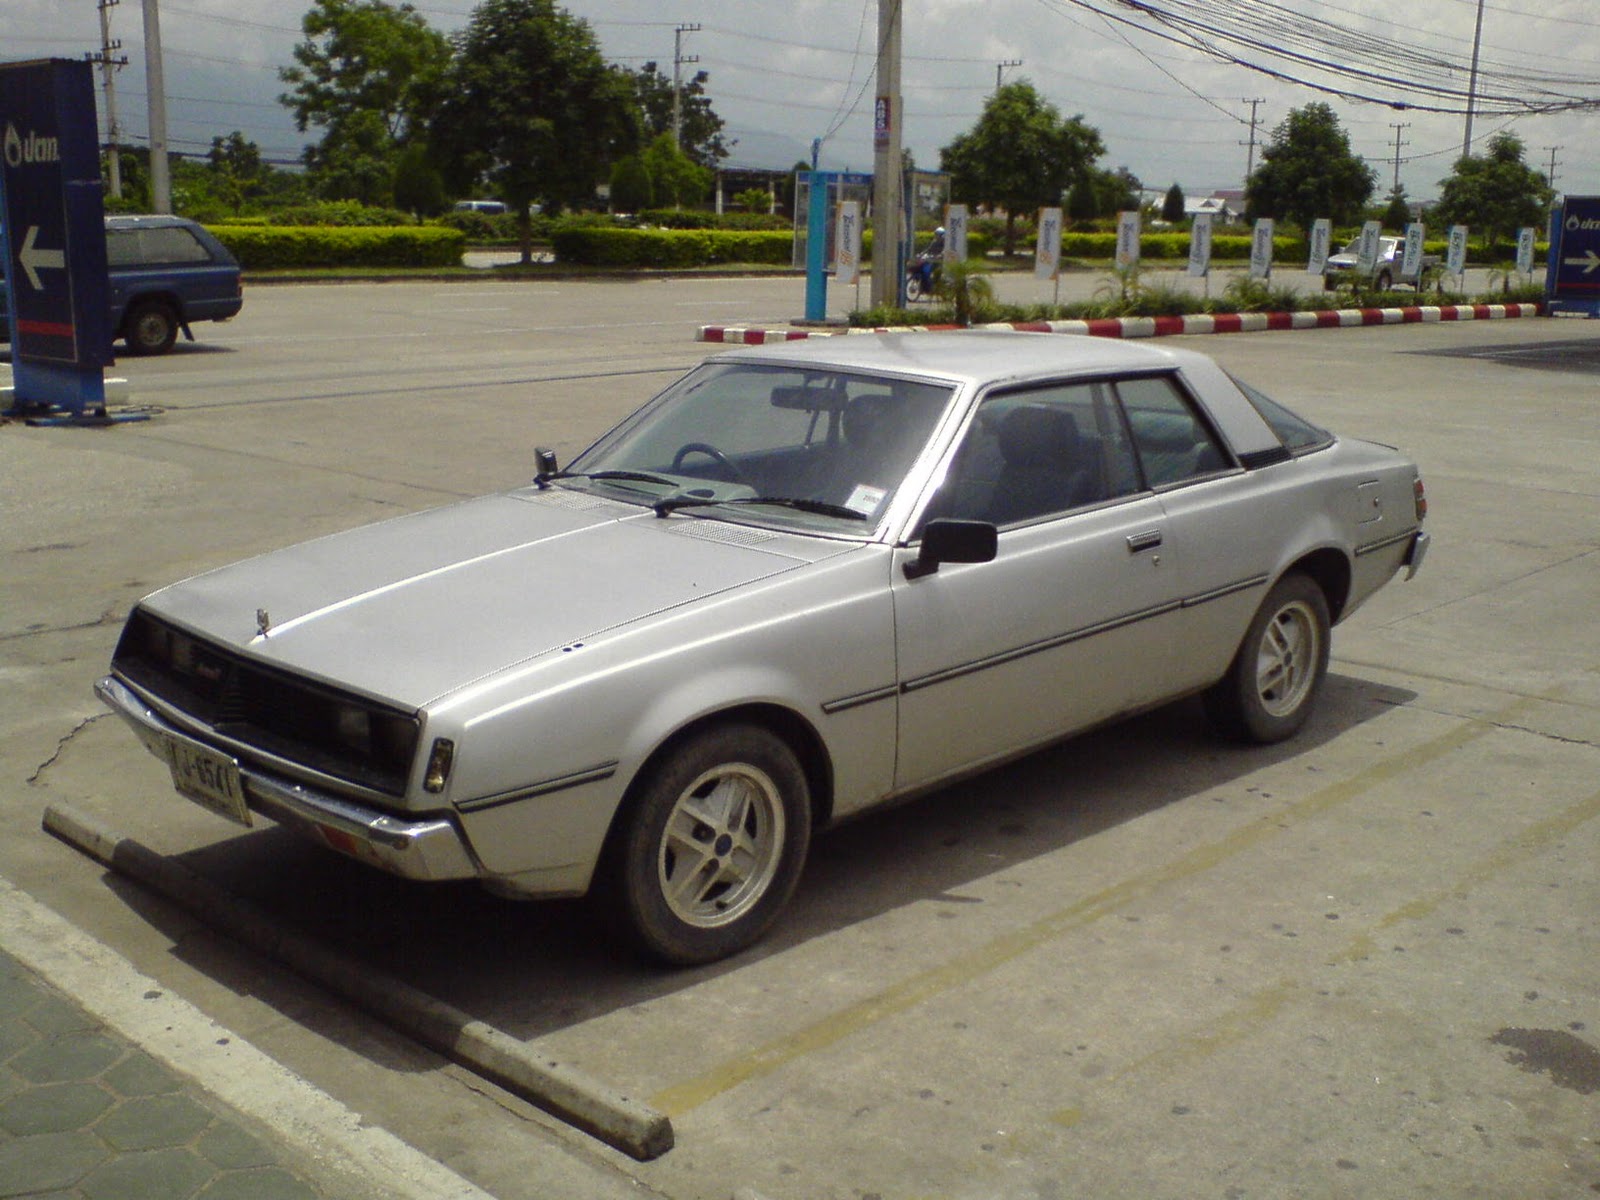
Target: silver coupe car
column 805, row 580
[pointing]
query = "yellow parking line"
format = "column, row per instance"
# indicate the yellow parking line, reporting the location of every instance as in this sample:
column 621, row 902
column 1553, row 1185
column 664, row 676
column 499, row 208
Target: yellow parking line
column 907, row 994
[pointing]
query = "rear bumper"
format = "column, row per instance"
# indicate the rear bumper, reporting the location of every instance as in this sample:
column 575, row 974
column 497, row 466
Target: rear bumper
column 1416, row 552
column 428, row 849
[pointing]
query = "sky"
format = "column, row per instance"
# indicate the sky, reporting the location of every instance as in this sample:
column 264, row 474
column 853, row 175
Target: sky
column 784, row 72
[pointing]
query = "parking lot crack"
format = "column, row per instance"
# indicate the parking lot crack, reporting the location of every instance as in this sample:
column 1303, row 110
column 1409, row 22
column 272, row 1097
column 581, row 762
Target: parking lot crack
column 62, row 744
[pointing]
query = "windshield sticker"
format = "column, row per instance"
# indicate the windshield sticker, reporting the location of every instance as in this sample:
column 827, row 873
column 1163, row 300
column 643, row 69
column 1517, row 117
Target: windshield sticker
column 865, row 499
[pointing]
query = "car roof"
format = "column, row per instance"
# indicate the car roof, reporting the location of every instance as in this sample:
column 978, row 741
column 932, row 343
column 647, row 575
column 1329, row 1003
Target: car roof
column 145, row 221
column 969, row 356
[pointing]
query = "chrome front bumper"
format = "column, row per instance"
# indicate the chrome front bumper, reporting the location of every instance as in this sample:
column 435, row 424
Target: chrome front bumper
column 430, row 849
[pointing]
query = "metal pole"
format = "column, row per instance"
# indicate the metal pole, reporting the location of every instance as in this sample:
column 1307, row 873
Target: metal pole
column 1250, row 160
column 887, row 160
column 108, row 69
column 155, row 84
column 1472, row 81
column 1000, row 69
column 678, row 60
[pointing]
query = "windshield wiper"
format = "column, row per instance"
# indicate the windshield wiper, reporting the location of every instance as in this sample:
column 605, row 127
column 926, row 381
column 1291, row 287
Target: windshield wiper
column 822, row 508
column 613, row 476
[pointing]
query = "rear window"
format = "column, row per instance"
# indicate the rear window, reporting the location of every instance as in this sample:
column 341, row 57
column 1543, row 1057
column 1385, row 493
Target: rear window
column 1297, row 434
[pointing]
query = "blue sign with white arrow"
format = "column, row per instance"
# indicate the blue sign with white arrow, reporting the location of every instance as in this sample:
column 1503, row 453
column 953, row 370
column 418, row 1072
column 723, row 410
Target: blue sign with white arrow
column 1575, row 254
column 54, row 222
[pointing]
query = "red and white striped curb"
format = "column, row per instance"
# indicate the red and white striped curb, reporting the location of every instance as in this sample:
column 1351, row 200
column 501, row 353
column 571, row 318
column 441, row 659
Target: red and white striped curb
column 1140, row 327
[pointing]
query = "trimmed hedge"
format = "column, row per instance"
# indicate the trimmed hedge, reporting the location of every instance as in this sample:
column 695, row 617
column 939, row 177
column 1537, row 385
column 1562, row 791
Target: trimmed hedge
column 672, row 218
column 593, row 246
column 273, row 247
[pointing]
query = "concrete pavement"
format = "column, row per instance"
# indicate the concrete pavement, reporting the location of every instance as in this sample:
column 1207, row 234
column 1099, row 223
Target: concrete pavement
column 1362, row 965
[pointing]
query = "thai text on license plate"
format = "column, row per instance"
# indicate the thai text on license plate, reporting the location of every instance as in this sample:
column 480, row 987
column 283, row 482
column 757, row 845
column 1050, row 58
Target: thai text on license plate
column 210, row 779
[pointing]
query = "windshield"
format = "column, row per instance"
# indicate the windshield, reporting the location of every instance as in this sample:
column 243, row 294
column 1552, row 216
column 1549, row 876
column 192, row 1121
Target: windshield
column 811, row 448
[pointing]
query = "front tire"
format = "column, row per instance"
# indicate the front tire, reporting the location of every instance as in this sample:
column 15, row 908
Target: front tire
column 713, row 845
column 1272, row 686
column 151, row 328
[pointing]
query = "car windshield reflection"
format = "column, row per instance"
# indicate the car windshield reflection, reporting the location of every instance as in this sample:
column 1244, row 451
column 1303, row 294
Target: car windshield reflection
column 815, row 449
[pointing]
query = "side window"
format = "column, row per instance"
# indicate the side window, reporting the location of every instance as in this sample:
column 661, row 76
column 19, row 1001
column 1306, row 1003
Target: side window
column 1174, row 444
column 122, row 247
column 1034, row 453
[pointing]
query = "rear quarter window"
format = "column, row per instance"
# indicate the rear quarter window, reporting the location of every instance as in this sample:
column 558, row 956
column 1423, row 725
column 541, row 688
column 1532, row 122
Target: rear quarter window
column 1297, row 434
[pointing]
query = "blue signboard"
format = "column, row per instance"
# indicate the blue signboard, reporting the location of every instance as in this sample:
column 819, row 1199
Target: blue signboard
column 53, row 217
column 1575, row 256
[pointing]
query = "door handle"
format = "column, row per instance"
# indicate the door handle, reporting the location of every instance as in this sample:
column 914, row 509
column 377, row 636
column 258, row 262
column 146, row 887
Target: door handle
column 1147, row 540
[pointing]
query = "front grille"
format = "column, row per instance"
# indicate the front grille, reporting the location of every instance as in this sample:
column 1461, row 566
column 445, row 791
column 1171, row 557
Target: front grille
column 326, row 730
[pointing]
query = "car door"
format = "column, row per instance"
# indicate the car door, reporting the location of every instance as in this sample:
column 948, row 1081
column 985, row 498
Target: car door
column 1071, row 623
column 1230, row 525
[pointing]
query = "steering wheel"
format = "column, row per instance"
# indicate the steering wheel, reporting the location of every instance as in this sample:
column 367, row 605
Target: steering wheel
column 711, row 452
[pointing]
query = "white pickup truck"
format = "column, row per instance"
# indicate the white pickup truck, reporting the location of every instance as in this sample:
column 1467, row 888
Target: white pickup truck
column 1386, row 270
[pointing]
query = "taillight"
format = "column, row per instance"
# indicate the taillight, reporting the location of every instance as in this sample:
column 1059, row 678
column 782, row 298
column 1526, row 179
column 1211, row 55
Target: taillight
column 1420, row 496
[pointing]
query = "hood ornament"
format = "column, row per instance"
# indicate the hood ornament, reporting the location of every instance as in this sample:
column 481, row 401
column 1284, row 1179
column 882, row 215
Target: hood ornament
column 263, row 622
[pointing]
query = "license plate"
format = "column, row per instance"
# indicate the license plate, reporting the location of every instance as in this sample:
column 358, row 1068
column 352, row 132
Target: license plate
column 210, row 779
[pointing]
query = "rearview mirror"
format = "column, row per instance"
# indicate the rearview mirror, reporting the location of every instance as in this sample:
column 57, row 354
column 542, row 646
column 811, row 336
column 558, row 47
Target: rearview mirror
column 948, row 540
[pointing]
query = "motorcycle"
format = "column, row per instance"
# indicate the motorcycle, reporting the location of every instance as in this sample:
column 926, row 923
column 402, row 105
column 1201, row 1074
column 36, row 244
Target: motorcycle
column 921, row 274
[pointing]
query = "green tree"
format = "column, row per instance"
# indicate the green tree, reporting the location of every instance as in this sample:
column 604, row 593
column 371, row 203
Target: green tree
column 699, row 126
column 1083, row 202
column 418, row 187
column 631, row 188
column 676, row 178
column 366, row 75
column 1172, row 206
column 239, row 177
column 1308, row 171
column 1397, row 212
column 1021, row 155
column 532, row 108
column 1494, row 194
column 1115, row 191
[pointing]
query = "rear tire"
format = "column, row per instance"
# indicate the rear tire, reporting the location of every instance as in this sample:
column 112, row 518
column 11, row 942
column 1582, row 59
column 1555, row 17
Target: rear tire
column 151, row 328
column 1272, row 686
column 713, row 845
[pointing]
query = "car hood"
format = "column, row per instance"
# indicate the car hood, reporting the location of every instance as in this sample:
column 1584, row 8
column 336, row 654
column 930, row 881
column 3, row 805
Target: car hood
column 411, row 609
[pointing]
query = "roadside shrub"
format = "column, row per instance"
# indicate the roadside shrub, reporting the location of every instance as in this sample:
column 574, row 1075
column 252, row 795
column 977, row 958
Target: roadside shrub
column 596, row 246
column 339, row 212
column 674, row 218
column 276, row 247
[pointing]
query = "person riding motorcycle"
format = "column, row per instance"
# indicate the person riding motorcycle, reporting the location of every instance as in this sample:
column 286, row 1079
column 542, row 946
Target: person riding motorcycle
column 920, row 274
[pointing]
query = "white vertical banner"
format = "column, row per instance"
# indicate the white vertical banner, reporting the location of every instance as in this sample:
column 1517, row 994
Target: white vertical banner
column 1525, row 237
column 1128, row 239
column 1321, row 244
column 1261, row 249
column 1411, row 264
column 847, row 243
column 1456, row 257
column 1200, row 246
column 1047, row 249
column 1367, row 247
column 955, row 233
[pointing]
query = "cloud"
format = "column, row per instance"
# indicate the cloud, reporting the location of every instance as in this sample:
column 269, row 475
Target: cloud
column 783, row 73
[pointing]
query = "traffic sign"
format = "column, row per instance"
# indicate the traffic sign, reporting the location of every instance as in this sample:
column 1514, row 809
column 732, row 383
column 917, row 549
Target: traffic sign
column 55, row 240
column 1575, row 255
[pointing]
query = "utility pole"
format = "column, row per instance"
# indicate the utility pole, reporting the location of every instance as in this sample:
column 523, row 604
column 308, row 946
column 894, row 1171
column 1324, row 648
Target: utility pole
column 110, row 62
column 1397, row 144
column 1250, row 161
column 1551, row 177
column 1472, row 81
column 887, row 162
column 678, row 59
column 1000, row 70
column 155, row 85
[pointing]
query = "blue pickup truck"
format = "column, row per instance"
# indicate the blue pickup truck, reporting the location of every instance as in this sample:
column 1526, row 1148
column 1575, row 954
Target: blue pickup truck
column 165, row 274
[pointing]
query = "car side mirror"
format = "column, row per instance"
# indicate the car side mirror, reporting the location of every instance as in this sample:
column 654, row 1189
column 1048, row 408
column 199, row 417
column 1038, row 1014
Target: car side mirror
column 545, row 465
column 948, row 540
